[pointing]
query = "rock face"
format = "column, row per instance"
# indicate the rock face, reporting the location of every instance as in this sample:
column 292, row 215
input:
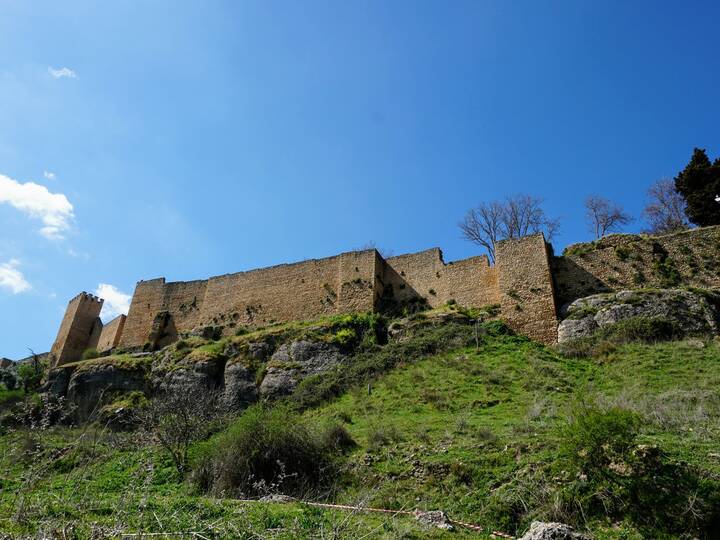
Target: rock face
column 540, row 530
column 692, row 312
column 191, row 375
column 240, row 388
column 57, row 382
column 89, row 385
column 295, row 361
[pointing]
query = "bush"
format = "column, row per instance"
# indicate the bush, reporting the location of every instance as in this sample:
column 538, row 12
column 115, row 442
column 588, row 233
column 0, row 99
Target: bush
column 272, row 450
column 89, row 354
column 613, row 476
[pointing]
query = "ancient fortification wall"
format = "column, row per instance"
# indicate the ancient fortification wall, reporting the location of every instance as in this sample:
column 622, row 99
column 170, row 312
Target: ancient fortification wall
column 470, row 282
column 110, row 334
column 80, row 324
column 628, row 261
column 339, row 284
column 527, row 297
column 527, row 282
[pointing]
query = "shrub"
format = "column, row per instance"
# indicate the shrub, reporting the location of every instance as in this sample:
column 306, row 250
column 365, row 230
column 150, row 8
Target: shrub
column 382, row 435
column 272, row 450
column 89, row 354
column 613, row 476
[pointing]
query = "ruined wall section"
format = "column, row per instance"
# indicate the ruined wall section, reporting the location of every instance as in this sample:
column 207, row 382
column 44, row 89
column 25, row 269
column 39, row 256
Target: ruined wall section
column 470, row 282
column 147, row 301
column 79, row 326
column 527, row 297
column 286, row 292
column 626, row 261
column 110, row 334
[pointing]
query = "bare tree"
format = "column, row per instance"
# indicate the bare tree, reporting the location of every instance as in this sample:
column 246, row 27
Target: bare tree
column 604, row 216
column 514, row 217
column 665, row 211
column 177, row 418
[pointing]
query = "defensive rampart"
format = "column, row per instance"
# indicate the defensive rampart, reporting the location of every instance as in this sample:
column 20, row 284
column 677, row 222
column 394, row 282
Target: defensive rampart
column 527, row 282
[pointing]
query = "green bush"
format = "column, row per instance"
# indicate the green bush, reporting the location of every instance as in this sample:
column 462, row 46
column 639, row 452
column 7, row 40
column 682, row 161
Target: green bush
column 610, row 475
column 89, row 354
column 272, row 450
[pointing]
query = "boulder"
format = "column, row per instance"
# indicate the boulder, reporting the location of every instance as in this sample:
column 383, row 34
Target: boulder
column 293, row 362
column 540, row 530
column 690, row 311
column 434, row 518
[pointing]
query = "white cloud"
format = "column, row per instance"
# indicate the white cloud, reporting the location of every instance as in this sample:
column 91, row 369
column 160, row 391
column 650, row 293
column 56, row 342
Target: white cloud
column 53, row 209
column 11, row 278
column 49, row 175
column 116, row 302
column 62, row 72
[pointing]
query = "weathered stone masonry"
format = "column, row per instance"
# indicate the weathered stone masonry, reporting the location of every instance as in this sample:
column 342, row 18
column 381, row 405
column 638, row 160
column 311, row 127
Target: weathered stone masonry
column 527, row 281
column 82, row 329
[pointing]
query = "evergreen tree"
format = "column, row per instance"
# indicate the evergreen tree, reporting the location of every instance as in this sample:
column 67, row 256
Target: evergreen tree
column 699, row 184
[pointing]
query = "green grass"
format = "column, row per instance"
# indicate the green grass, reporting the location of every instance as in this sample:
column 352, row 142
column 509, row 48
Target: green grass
column 474, row 431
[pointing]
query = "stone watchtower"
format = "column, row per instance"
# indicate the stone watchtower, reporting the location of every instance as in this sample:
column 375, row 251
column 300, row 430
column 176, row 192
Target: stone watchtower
column 80, row 329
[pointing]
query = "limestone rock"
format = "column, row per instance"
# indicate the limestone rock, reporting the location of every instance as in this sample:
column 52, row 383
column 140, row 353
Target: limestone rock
column 92, row 383
column 434, row 518
column 240, row 388
column 693, row 314
column 540, row 530
column 295, row 361
column 57, row 382
column 189, row 375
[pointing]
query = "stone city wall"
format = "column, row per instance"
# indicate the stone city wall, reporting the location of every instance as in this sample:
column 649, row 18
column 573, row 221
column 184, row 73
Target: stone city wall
column 110, row 334
column 339, row 284
column 527, row 296
column 80, row 325
column 470, row 282
column 527, row 282
column 628, row 261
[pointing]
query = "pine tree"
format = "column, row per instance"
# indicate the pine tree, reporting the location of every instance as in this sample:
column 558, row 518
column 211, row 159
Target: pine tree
column 699, row 184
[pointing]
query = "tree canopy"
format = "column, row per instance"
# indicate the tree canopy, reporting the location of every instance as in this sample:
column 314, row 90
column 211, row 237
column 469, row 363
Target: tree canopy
column 699, row 184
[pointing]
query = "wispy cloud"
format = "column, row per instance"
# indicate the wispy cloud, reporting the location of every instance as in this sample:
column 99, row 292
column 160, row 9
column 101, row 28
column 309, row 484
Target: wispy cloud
column 116, row 301
column 12, row 279
column 49, row 175
column 62, row 72
column 53, row 209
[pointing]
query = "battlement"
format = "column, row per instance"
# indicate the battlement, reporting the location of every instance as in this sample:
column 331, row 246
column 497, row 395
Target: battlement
column 526, row 281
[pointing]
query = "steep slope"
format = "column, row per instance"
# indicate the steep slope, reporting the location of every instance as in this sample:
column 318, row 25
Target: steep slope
column 457, row 417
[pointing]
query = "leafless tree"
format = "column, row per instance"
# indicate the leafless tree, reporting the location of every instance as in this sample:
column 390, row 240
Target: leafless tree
column 514, row 217
column 604, row 216
column 665, row 211
column 177, row 418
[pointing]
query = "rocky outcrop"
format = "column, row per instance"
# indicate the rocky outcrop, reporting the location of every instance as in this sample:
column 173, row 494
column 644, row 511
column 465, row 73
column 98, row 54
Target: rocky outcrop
column 189, row 375
column 57, row 381
column 95, row 382
column 240, row 386
column 295, row 361
column 692, row 312
column 540, row 530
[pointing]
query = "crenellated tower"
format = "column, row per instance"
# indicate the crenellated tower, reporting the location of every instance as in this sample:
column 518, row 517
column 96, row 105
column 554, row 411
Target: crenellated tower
column 79, row 330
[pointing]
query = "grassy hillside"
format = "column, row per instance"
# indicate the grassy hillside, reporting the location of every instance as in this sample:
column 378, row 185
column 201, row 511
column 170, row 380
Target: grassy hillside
column 481, row 432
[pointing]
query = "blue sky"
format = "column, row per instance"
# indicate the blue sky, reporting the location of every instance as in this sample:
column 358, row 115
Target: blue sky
column 189, row 139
